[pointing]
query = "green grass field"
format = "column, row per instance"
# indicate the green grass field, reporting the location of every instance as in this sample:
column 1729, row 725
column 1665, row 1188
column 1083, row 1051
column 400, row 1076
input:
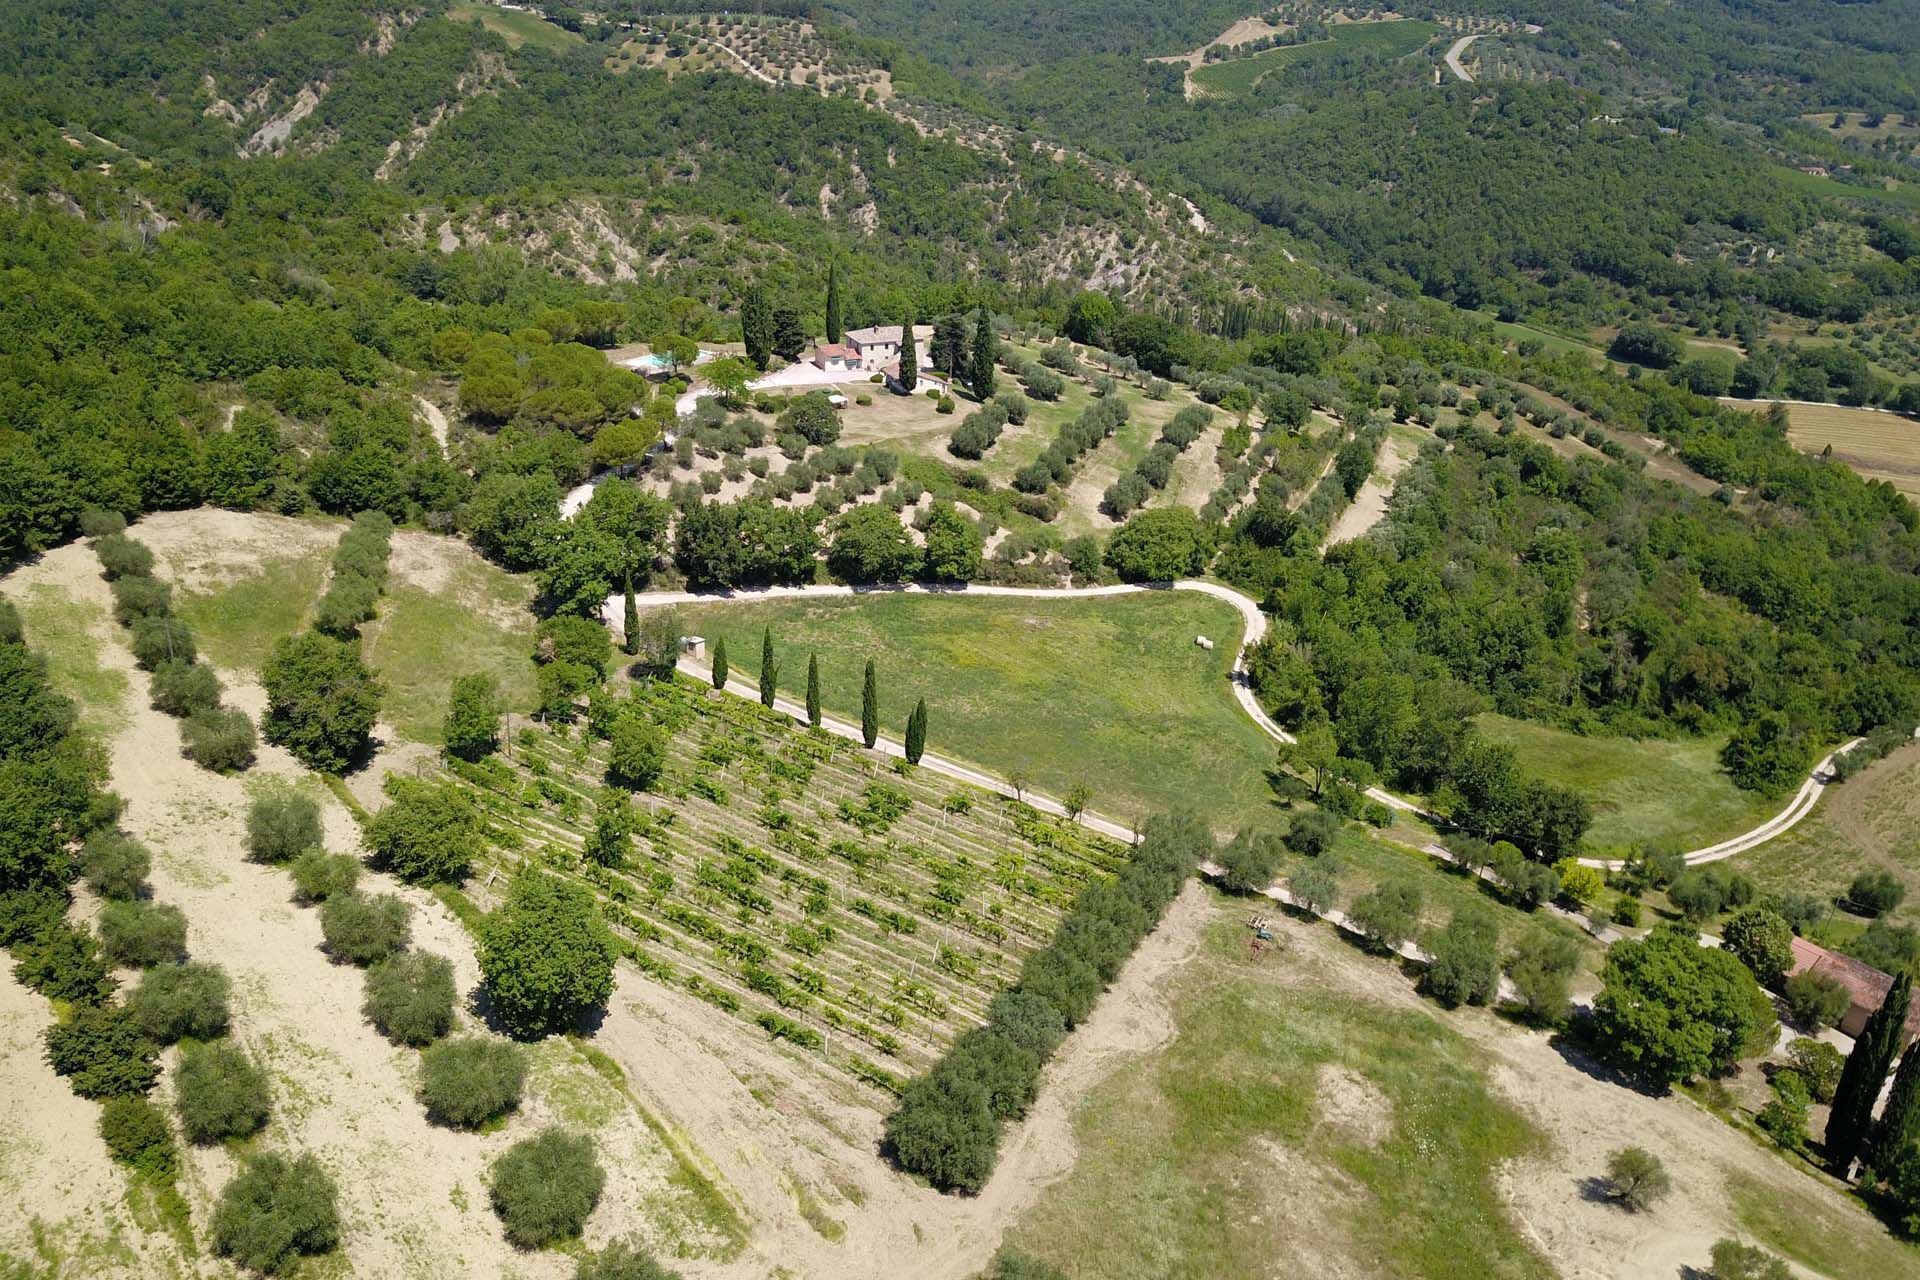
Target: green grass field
column 1641, row 790
column 1110, row 691
column 67, row 633
column 1818, row 1236
column 1905, row 193
column 237, row 624
column 1214, row 1156
column 1392, row 39
column 422, row 641
column 1558, row 344
column 516, row 28
column 1871, row 820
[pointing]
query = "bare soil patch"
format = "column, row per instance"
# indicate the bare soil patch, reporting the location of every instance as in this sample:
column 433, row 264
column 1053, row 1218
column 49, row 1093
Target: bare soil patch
column 207, row 548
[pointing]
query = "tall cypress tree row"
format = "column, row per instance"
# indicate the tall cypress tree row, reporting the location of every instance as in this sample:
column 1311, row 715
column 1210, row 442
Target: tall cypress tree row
column 767, row 669
column 756, row 326
column 836, row 330
column 909, row 358
column 813, row 690
column 917, row 732
column 720, row 663
column 980, row 375
column 870, row 708
column 1865, row 1072
column 630, row 619
column 1900, row 1122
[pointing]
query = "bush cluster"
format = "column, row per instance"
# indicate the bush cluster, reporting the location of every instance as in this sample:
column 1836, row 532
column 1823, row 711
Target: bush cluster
column 467, row 1082
column 115, row 865
column 947, row 1127
column 362, row 928
column 359, row 576
column 274, row 1211
column 1154, row 471
column 410, row 997
column 545, row 1186
column 978, row 431
column 318, row 875
column 282, row 824
column 220, row 1093
column 139, row 935
column 427, row 833
column 181, row 1001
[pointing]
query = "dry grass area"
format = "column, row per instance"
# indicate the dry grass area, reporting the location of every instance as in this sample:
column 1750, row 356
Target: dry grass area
column 1880, row 446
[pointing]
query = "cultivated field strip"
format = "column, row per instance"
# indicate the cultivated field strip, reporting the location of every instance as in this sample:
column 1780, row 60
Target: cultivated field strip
column 856, row 907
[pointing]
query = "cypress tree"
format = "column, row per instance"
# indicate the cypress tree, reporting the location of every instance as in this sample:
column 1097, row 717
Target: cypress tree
column 631, row 619
column 909, row 359
column 835, row 329
column 917, row 732
column 756, row 326
column 980, row 375
column 1900, row 1122
column 1865, row 1072
column 720, row 663
column 870, row 708
column 813, row 690
column 767, row 669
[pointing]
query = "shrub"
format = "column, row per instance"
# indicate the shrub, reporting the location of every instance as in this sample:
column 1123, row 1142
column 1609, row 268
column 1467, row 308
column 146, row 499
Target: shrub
column 158, row 637
column 122, row 557
column 637, row 751
column 1312, row 832
column 318, row 875
column 1875, row 892
column 220, row 739
column 1784, row 1118
column 139, row 935
column 62, row 962
column 102, row 1052
column 1636, row 1179
column 136, row 598
column 1817, row 1000
column 1735, row 1261
column 1315, row 886
column 474, row 707
column 364, row 928
column 1388, row 914
column 321, row 700
column 276, row 1210
column 1819, row 1064
column 183, row 688
column 623, row 1259
column 467, row 1082
column 1250, row 860
column 410, row 997
column 282, row 824
column 427, row 833
column 546, row 955
column 219, row 1092
column 545, row 1186
column 136, row 1133
column 99, row 522
column 1465, row 968
column 1541, row 969
column 180, row 1001
column 115, row 865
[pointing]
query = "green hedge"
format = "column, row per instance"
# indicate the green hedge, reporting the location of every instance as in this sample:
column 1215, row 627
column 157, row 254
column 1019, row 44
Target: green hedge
column 947, row 1127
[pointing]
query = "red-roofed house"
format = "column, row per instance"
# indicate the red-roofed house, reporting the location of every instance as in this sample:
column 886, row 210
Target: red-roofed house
column 836, row 357
column 1865, row 985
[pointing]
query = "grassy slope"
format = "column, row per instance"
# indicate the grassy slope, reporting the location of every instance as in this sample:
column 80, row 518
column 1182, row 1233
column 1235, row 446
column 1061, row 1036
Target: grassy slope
column 1642, row 790
column 1113, row 691
column 65, row 631
column 1905, row 193
column 1178, row 1154
column 1880, row 446
column 1815, row 1235
column 516, row 28
column 237, row 624
column 1238, row 75
column 422, row 641
column 1872, row 820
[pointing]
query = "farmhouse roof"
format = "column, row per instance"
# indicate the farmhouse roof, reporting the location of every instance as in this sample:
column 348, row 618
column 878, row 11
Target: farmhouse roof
column 885, row 335
column 832, row 350
column 1865, row 985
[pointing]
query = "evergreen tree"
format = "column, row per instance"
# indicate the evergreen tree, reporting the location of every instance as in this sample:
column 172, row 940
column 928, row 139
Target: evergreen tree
column 980, row 376
column 789, row 335
column 949, row 352
column 720, row 663
column 870, row 708
column 1899, row 1125
column 909, row 358
column 767, row 669
column 756, row 326
column 630, row 620
column 813, row 690
column 1865, row 1072
column 917, row 732
column 836, row 330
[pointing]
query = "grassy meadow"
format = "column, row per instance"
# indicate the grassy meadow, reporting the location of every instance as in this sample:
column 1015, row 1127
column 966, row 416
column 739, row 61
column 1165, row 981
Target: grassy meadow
column 515, row 27
column 1642, row 790
column 1286, row 1121
column 237, row 623
column 1394, row 38
column 1112, row 692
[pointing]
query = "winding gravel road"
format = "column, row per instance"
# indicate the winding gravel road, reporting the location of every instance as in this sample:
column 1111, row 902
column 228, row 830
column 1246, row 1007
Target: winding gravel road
column 1256, row 627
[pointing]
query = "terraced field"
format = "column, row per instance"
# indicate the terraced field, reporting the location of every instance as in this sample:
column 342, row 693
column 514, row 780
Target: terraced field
column 1392, row 39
